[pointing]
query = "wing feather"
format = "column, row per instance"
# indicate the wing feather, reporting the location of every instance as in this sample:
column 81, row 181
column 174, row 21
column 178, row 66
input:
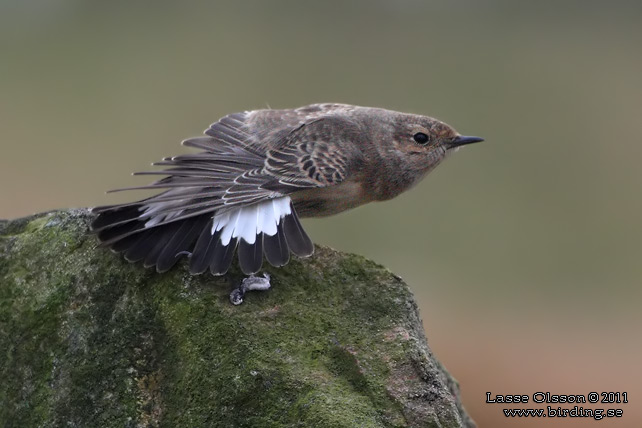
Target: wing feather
column 246, row 158
column 316, row 155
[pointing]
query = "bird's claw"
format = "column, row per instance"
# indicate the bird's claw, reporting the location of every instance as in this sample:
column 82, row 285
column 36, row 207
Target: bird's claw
column 250, row 283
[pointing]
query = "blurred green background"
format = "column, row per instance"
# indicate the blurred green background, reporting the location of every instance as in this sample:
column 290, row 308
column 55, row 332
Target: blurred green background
column 525, row 251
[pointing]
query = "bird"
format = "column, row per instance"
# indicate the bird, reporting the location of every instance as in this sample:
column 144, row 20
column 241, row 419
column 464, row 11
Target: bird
column 257, row 172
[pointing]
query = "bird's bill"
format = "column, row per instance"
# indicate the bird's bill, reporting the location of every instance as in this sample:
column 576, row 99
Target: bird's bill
column 462, row 140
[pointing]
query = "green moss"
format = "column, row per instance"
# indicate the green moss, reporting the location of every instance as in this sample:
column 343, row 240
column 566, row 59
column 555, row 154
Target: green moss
column 88, row 339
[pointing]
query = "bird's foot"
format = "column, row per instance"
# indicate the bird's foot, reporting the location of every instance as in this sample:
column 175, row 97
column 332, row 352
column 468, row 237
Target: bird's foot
column 250, row 283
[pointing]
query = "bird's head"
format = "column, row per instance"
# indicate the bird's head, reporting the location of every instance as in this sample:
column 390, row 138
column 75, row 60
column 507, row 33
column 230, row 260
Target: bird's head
column 425, row 141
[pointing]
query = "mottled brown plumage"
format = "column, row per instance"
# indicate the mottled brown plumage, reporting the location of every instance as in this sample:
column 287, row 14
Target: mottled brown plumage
column 257, row 169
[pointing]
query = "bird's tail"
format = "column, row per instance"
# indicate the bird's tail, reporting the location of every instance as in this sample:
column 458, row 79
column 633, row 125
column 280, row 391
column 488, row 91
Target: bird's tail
column 269, row 228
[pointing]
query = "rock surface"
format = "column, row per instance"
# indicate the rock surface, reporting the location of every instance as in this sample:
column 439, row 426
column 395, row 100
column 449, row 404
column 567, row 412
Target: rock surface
column 87, row 340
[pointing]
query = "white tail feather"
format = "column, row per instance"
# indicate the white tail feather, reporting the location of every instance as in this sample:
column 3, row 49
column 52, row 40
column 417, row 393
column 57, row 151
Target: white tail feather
column 227, row 229
column 247, row 222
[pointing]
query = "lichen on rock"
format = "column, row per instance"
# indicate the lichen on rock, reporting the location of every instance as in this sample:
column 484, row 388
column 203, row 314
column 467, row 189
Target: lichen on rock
column 89, row 339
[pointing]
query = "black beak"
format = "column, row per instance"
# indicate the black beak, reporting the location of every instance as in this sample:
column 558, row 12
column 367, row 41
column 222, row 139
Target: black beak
column 463, row 140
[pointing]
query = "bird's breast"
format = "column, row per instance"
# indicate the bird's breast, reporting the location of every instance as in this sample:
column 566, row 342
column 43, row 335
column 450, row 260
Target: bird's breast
column 325, row 201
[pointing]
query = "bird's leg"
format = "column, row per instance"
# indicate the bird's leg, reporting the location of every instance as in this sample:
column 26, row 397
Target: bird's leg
column 250, row 283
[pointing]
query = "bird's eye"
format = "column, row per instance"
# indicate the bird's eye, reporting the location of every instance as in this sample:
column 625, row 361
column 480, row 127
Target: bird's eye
column 420, row 138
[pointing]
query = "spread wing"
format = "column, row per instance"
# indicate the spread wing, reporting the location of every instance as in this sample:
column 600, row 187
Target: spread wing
column 235, row 167
column 248, row 160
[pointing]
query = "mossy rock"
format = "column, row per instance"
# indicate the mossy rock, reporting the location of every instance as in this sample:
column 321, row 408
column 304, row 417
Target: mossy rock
column 88, row 340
